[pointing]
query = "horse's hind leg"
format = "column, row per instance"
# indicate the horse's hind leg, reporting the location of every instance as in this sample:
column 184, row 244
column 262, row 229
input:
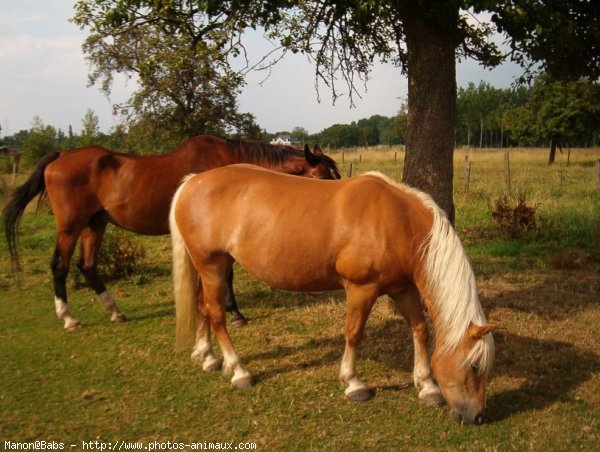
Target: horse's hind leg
column 65, row 244
column 203, row 352
column 360, row 301
column 214, row 284
column 91, row 239
column 231, row 304
column 408, row 303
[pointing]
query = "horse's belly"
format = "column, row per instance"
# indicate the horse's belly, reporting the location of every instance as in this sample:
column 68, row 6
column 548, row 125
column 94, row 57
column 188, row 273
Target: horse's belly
column 289, row 282
column 293, row 273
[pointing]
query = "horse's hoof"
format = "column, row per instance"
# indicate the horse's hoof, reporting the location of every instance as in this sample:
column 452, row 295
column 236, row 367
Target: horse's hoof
column 243, row 382
column 431, row 397
column 72, row 325
column 239, row 322
column 361, row 395
column 211, row 365
column 118, row 318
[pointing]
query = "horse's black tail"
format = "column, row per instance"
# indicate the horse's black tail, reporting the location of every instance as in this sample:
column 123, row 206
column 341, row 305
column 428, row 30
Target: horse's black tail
column 13, row 211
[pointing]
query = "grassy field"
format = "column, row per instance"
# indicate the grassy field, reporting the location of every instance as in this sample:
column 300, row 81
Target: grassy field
column 125, row 382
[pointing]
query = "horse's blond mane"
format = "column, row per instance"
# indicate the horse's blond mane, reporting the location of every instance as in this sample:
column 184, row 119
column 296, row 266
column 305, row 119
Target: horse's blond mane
column 450, row 283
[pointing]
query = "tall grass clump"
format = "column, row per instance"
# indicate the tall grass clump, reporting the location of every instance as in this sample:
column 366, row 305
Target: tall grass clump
column 515, row 221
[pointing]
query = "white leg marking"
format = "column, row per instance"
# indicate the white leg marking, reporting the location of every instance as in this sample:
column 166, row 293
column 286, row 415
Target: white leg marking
column 62, row 311
column 348, row 376
column 429, row 392
column 109, row 303
column 203, row 354
column 241, row 377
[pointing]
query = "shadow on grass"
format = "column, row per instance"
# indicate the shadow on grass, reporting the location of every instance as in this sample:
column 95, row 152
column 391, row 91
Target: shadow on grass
column 157, row 311
column 550, row 371
column 557, row 296
column 390, row 344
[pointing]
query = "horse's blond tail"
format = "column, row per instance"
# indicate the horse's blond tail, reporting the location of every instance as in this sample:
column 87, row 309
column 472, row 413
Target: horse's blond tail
column 185, row 282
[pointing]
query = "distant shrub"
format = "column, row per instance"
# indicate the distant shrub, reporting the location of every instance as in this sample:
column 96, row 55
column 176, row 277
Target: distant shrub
column 515, row 221
column 119, row 256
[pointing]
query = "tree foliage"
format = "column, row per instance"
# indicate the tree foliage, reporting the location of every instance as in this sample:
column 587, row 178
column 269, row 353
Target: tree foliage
column 371, row 131
column 185, row 84
column 480, row 110
column 344, row 37
column 560, row 38
column 41, row 140
column 559, row 113
column 90, row 133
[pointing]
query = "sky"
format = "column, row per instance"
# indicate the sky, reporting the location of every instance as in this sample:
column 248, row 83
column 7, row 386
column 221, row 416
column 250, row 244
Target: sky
column 43, row 72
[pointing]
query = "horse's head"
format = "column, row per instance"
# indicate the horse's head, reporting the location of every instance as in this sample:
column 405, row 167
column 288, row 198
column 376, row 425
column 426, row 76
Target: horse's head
column 461, row 373
column 319, row 165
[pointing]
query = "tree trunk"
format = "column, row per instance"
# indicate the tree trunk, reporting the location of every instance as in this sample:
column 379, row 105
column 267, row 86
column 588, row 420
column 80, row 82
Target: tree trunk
column 431, row 107
column 481, row 133
column 552, row 155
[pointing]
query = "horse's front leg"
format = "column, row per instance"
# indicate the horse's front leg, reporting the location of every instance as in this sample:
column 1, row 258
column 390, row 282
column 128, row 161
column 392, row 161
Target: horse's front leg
column 231, row 304
column 360, row 300
column 408, row 303
column 214, row 286
column 91, row 239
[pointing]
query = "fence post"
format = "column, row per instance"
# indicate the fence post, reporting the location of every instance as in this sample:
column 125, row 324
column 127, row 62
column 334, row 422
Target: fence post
column 598, row 174
column 349, row 170
column 343, row 157
column 16, row 157
column 507, row 180
column 467, row 175
column 562, row 178
column 395, row 157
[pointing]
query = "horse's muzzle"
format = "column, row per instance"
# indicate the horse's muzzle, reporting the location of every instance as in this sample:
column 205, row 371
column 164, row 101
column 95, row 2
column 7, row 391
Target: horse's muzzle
column 463, row 418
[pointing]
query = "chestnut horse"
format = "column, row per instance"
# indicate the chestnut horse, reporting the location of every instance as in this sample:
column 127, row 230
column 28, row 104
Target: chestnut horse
column 92, row 186
column 369, row 236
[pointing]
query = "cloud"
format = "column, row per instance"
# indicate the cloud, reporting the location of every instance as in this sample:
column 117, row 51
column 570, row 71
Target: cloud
column 12, row 21
column 26, row 46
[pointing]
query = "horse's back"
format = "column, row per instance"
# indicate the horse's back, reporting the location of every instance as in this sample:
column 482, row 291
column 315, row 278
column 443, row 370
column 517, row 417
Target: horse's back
column 351, row 229
column 72, row 163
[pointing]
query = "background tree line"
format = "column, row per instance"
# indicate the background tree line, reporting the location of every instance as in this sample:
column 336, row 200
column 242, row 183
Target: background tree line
column 547, row 113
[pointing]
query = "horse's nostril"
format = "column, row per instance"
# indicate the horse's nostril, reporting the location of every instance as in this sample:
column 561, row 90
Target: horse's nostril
column 457, row 417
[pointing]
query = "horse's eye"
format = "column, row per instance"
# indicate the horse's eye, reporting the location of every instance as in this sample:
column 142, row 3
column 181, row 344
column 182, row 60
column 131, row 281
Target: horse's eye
column 475, row 367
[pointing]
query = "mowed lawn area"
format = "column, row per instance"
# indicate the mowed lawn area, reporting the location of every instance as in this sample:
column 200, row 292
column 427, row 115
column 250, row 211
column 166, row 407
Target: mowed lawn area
column 112, row 383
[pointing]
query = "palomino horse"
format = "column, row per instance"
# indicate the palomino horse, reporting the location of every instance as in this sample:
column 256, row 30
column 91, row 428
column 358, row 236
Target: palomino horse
column 92, row 186
column 369, row 236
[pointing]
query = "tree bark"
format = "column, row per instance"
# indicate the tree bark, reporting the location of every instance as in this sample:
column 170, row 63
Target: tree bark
column 431, row 106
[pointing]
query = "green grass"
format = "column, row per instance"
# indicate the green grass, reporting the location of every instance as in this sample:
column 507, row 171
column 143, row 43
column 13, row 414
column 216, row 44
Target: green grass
column 126, row 382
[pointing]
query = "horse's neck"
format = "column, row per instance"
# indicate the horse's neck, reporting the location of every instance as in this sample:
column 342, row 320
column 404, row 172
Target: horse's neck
column 448, row 282
column 268, row 157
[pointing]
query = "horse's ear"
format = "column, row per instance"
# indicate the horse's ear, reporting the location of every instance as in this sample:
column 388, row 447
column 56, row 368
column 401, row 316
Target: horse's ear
column 317, row 150
column 310, row 157
column 478, row 331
